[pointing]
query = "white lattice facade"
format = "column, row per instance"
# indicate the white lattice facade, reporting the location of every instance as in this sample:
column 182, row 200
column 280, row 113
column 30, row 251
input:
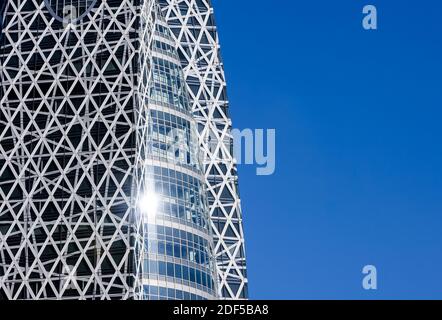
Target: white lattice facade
column 100, row 101
column 194, row 30
column 179, row 259
column 70, row 159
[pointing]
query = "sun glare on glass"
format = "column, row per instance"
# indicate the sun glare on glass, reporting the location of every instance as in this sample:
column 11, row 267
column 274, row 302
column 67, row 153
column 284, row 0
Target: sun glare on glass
column 148, row 204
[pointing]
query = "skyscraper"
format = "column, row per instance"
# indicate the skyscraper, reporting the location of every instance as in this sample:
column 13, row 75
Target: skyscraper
column 194, row 30
column 70, row 152
column 107, row 188
column 179, row 261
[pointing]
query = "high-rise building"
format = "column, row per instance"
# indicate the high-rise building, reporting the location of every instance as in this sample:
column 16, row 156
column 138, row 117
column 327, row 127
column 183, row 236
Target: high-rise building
column 179, row 260
column 193, row 28
column 116, row 174
column 70, row 153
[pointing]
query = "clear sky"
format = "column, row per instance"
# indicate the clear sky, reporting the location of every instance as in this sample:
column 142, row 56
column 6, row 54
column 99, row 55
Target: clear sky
column 359, row 154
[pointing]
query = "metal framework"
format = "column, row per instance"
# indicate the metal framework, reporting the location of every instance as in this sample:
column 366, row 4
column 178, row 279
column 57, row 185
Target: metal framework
column 194, row 30
column 70, row 170
column 75, row 134
column 179, row 260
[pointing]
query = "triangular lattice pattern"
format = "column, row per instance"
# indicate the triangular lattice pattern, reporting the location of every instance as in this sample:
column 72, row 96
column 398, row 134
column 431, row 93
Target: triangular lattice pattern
column 69, row 175
column 193, row 27
column 71, row 158
column 179, row 234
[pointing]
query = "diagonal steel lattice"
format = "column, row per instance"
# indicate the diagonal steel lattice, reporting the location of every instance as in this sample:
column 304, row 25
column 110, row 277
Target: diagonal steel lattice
column 71, row 157
column 194, row 30
column 69, row 152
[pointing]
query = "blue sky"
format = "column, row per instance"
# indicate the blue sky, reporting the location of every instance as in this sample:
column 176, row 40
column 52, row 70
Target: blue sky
column 359, row 157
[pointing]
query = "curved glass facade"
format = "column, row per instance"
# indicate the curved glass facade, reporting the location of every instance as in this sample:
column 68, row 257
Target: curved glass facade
column 194, row 29
column 178, row 244
column 116, row 174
